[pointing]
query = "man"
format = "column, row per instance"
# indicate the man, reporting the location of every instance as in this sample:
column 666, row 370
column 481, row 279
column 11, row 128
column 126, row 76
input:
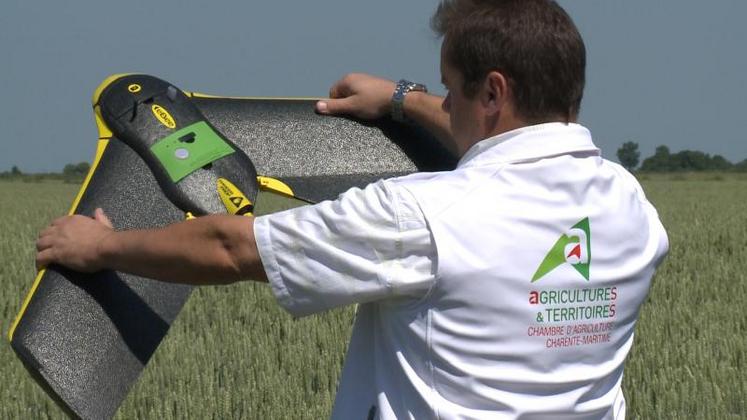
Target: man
column 507, row 288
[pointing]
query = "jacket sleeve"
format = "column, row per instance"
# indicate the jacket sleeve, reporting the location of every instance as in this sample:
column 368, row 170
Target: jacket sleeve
column 369, row 244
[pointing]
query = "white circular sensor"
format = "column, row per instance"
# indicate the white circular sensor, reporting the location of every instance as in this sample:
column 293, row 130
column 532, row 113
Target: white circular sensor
column 181, row 153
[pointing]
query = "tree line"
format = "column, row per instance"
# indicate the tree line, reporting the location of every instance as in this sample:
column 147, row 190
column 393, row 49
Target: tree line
column 72, row 172
column 628, row 154
column 684, row 161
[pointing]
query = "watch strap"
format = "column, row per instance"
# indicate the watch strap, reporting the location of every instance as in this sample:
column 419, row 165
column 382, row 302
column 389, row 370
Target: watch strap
column 401, row 90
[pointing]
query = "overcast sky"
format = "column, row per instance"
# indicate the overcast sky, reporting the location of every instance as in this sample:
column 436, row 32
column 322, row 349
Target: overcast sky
column 659, row 72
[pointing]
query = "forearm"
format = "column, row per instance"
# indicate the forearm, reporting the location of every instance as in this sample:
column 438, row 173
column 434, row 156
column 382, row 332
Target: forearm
column 426, row 110
column 206, row 250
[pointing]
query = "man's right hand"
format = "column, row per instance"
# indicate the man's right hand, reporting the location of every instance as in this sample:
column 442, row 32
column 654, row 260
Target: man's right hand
column 359, row 95
column 368, row 98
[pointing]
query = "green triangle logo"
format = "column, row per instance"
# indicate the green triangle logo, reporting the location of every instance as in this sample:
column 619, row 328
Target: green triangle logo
column 573, row 247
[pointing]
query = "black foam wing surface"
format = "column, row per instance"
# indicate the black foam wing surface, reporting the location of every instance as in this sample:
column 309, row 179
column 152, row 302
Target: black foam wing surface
column 87, row 337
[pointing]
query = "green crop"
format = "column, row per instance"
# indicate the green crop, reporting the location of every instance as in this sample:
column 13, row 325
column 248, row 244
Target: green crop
column 233, row 353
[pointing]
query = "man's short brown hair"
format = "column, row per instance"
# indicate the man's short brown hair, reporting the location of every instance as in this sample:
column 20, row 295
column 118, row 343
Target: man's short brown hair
column 534, row 43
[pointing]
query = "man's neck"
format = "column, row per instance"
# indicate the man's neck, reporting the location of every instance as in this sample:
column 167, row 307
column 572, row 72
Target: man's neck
column 512, row 122
column 500, row 126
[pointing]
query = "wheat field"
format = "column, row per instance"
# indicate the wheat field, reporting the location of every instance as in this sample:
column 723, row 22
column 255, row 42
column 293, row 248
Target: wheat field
column 233, row 353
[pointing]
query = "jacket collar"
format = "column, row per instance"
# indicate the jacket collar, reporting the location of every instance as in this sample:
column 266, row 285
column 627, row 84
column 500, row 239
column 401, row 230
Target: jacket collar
column 531, row 143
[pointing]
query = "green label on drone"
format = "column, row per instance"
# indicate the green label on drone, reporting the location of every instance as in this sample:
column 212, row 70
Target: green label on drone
column 189, row 149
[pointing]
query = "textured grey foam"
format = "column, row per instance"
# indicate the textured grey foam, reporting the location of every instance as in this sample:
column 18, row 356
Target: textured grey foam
column 286, row 138
column 87, row 338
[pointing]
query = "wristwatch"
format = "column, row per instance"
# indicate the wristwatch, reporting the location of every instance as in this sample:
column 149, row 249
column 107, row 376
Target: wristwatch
column 398, row 98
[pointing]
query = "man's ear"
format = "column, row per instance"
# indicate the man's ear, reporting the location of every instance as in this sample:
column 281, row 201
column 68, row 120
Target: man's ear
column 495, row 92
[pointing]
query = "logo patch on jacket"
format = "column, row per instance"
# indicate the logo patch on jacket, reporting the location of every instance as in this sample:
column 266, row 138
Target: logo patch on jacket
column 573, row 247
